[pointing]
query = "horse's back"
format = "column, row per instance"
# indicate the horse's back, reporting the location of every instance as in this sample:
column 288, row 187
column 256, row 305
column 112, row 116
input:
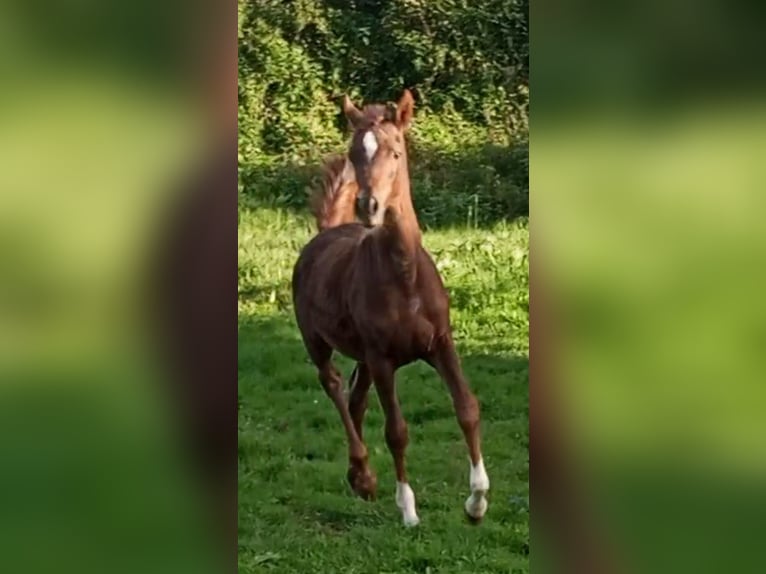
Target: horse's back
column 332, row 243
column 323, row 264
column 320, row 287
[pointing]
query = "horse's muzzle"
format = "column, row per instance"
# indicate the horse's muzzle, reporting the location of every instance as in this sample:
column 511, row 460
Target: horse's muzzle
column 367, row 206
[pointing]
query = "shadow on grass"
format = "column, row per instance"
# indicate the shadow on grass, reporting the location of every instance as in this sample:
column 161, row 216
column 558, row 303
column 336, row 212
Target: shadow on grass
column 270, row 349
column 478, row 186
column 280, row 332
column 342, row 521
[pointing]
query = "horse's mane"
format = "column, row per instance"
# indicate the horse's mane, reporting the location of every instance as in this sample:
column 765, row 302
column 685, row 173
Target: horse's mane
column 332, row 199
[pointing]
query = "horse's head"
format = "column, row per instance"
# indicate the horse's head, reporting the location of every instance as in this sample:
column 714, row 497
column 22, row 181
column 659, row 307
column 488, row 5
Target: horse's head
column 378, row 154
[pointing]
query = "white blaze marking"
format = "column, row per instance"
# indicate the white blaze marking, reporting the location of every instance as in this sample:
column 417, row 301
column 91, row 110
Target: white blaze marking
column 405, row 500
column 476, row 505
column 370, row 144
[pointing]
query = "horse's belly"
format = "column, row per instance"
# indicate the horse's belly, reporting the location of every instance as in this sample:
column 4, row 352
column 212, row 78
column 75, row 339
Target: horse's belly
column 407, row 339
column 346, row 341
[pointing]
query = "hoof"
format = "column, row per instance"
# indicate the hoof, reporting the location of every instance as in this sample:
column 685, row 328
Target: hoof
column 364, row 483
column 410, row 521
column 475, row 521
column 475, row 510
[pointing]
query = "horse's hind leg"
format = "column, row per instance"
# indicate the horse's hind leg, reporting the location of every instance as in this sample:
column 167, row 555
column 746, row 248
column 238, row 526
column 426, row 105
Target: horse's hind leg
column 361, row 478
column 445, row 359
column 396, row 437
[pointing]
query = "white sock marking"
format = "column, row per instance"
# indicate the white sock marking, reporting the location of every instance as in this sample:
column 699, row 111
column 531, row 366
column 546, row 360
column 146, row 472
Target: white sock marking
column 476, row 505
column 370, row 144
column 479, row 478
column 405, row 500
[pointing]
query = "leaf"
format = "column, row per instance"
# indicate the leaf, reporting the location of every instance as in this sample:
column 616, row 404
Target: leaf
column 267, row 557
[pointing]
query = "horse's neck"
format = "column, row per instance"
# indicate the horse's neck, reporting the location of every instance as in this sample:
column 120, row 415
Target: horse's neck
column 408, row 220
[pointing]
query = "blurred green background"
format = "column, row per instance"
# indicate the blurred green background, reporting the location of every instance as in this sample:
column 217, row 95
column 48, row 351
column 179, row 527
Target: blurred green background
column 649, row 174
column 100, row 123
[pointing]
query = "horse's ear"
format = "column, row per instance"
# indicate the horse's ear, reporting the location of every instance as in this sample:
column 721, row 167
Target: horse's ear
column 405, row 108
column 353, row 114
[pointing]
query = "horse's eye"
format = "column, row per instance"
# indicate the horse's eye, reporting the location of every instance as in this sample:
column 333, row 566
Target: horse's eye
column 397, row 154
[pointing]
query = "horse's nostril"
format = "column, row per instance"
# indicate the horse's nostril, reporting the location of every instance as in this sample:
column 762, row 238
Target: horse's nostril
column 373, row 206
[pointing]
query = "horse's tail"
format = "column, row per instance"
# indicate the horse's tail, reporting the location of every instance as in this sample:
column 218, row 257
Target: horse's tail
column 332, row 200
column 403, row 246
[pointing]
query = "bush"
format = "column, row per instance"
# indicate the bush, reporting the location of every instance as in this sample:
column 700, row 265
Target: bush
column 467, row 62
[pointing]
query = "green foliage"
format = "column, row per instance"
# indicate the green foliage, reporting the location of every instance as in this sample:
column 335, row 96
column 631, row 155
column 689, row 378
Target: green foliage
column 283, row 107
column 468, row 64
column 460, row 177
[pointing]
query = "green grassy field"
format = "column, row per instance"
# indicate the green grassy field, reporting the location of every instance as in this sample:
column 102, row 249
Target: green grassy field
column 296, row 511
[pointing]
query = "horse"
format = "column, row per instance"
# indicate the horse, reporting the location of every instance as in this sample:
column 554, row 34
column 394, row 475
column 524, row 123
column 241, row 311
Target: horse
column 369, row 290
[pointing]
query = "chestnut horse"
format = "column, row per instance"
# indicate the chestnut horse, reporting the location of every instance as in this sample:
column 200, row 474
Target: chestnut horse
column 370, row 291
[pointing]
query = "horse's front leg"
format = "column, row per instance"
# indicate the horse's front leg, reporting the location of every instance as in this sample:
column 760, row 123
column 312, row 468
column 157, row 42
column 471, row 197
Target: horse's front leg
column 396, row 436
column 445, row 360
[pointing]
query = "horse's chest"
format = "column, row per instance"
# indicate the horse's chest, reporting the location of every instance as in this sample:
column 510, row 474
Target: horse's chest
column 414, row 304
column 404, row 335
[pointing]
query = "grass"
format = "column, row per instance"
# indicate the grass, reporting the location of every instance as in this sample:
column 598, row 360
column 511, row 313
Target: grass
column 296, row 511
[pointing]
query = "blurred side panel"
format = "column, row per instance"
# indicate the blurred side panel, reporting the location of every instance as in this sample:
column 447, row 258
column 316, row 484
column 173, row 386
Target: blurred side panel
column 649, row 321
column 117, row 287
